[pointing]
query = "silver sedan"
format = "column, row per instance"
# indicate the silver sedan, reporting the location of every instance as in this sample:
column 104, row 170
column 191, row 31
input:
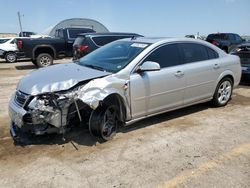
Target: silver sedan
column 121, row 83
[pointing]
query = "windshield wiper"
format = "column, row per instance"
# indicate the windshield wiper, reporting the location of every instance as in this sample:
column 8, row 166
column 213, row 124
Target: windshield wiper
column 95, row 67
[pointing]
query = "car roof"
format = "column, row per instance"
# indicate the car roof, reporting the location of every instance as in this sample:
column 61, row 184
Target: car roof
column 223, row 34
column 108, row 34
column 152, row 40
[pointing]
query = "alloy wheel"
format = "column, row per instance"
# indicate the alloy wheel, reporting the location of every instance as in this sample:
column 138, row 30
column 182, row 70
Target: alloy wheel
column 224, row 92
column 109, row 122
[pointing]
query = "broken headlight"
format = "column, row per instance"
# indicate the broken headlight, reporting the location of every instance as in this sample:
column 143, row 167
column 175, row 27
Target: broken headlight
column 48, row 99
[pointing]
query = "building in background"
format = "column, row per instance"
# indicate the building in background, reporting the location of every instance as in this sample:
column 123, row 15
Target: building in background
column 7, row 35
column 77, row 23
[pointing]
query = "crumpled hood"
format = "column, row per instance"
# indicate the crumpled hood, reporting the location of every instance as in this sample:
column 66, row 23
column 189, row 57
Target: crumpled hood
column 57, row 78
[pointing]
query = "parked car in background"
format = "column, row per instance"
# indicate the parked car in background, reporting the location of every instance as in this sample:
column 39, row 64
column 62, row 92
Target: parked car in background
column 9, row 50
column 243, row 51
column 123, row 82
column 225, row 41
column 26, row 34
column 42, row 51
column 195, row 37
column 86, row 43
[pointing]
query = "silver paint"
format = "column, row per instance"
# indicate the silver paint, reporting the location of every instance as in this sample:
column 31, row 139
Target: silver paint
column 143, row 94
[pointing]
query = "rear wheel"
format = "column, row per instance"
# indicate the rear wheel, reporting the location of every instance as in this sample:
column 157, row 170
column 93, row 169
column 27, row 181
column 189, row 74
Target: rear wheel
column 104, row 121
column 44, row 60
column 223, row 92
column 10, row 57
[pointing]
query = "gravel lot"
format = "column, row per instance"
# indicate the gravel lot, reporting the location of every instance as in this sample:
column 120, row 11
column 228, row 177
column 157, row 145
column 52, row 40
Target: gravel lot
column 199, row 146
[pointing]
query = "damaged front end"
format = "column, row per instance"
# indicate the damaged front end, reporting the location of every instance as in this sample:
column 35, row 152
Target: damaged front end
column 56, row 112
column 45, row 113
column 36, row 114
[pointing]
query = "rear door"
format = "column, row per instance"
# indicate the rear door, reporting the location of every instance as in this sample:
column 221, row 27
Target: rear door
column 201, row 71
column 155, row 91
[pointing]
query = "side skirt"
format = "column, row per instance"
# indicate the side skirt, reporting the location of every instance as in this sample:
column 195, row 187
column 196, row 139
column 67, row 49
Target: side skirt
column 162, row 112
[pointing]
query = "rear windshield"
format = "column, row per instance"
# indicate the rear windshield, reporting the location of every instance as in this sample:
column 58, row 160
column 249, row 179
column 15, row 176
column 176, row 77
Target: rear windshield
column 73, row 33
column 102, row 40
column 218, row 36
column 79, row 41
column 3, row 40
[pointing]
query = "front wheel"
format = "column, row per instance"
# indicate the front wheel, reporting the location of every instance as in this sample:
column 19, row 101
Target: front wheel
column 104, row 121
column 44, row 60
column 11, row 57
column 223, row 92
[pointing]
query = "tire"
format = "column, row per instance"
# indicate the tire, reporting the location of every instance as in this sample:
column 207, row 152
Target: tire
column 34, row 62
column 44, row 60
column 104, row 121
column 10, row 57
column 223, row 92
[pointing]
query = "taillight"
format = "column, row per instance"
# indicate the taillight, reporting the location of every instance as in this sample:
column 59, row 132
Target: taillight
column 20, row 44
column 214, row 42
column 83, row 48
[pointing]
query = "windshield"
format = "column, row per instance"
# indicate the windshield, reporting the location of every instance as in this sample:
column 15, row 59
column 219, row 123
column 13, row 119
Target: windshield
column 3, row 40
column 114, row 56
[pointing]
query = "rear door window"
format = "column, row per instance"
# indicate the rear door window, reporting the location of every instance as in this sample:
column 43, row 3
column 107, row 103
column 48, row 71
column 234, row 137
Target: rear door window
column 59, row 33
column 238, row 38
column 211, row 53
column 231, row 37
column 194, row 52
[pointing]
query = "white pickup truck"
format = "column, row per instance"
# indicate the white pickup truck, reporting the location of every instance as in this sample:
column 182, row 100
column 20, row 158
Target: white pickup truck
column 9, row 50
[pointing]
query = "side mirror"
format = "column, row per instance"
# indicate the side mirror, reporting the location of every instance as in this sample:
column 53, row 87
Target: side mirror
column 149, row 66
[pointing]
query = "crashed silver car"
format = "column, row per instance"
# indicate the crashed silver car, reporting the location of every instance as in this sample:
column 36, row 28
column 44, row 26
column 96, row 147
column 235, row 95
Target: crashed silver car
column 121, row 83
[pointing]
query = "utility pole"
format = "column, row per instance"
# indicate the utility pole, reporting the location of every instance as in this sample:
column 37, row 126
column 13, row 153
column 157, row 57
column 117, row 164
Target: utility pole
column 20, row 23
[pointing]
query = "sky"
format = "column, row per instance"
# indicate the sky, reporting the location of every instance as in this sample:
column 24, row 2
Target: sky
column 166, row 18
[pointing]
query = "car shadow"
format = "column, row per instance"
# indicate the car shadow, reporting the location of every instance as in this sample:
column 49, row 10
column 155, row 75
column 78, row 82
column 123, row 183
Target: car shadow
column 245, row 82
column 19, row 60
column 82, row 136
column 25, row 67
column 165, row 117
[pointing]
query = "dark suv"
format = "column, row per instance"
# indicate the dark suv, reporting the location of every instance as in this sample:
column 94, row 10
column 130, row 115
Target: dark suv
column 225, row 41
column 88, row 42
column 243, row 51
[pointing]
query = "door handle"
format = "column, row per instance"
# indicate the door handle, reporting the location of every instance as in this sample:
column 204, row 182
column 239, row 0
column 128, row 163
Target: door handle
column 216, row 66
column 179, row 74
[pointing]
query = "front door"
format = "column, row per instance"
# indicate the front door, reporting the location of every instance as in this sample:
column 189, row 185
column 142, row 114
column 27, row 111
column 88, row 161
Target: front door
column 156, row 91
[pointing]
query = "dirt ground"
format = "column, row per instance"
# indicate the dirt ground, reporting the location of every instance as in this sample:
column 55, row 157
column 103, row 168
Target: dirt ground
column 199, row 146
